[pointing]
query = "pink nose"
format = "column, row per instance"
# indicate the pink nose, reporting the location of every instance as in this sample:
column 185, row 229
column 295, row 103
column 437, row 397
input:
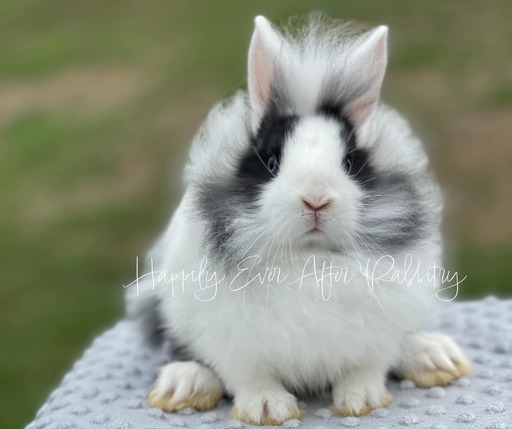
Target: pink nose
column 316, row 206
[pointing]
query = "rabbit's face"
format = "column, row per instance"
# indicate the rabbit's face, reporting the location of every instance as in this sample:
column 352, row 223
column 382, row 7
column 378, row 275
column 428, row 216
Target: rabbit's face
column 312, row 196
column 300, row 185
column 303, row 180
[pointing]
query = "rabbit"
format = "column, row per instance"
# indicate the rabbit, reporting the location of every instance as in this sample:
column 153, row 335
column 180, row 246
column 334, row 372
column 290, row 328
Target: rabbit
column 299, row 260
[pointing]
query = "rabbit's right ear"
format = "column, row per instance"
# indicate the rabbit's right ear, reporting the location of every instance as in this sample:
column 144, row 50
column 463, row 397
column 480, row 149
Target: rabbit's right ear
column 264, row 63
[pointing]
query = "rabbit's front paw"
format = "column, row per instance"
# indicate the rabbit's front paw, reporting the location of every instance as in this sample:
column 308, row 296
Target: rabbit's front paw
column 185, row 384
column 359, row 395
column 265, row 407
column 431, row 359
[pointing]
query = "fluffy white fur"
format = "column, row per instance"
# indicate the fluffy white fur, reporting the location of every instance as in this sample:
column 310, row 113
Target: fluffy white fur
column 186, row 384
column 264, row 336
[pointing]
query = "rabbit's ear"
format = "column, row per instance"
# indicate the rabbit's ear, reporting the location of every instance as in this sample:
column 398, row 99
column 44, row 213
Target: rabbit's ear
column 264, row 51
column 367, row 65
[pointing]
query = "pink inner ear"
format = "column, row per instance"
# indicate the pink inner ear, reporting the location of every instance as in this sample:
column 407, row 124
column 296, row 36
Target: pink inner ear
column 368, row 69
column 260, row 78
column 265, row 45
column 360, row 109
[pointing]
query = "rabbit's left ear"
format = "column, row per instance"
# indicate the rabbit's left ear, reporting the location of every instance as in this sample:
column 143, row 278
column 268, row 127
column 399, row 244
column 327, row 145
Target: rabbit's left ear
column 264, row 63
column 366, row 66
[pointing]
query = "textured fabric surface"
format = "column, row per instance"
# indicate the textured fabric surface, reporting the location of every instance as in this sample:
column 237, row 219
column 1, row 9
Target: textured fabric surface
column 107, row 387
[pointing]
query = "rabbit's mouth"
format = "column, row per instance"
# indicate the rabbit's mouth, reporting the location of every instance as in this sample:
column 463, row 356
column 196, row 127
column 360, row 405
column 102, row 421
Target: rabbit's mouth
column 316, row 237
column 315, row 230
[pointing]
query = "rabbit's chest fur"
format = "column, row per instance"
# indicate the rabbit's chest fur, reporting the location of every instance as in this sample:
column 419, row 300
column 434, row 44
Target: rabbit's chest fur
column 304, row 321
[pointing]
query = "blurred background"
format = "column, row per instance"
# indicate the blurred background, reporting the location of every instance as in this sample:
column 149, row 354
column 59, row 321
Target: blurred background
column 99, row 100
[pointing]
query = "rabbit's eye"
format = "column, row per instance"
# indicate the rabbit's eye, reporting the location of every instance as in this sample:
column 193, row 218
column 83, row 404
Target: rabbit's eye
column 272, row 164
column 347, row 163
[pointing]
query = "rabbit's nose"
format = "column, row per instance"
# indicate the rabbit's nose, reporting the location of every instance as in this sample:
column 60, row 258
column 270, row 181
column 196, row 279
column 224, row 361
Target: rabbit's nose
column 317, row 204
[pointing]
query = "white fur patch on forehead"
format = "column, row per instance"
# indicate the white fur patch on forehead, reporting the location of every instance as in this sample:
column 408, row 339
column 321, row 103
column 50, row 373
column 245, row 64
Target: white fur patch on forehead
column 315, row 140
column 314, row 130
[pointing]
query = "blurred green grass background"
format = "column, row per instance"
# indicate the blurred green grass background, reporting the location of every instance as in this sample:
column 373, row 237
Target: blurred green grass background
column 98, row 101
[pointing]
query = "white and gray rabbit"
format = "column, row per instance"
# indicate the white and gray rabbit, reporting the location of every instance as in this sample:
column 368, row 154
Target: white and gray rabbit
column 302, row 255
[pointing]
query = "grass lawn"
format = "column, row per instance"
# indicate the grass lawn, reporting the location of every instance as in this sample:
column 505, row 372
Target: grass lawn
column 98, row 101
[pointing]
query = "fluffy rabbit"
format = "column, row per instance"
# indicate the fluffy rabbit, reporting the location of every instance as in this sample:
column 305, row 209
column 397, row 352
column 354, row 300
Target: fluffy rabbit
column 302, row 255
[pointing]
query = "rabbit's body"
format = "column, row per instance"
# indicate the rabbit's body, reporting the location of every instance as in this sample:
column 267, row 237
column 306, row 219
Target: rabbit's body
column 305, row 245
column 287, row 309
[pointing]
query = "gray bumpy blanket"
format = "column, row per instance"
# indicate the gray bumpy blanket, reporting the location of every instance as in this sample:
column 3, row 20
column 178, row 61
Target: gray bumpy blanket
column 107, row 387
